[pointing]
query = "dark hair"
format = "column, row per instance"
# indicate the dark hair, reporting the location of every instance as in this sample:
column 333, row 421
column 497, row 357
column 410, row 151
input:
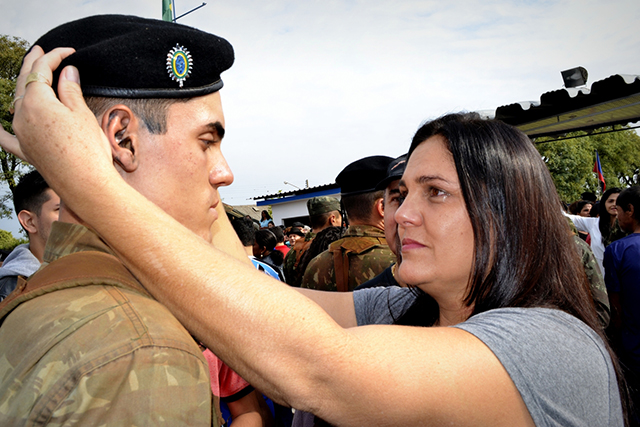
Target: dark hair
column 630, row 196
column 524, row 255
column 320, row 220
column 30, row 193
column 277, row 231
column 266, row 239
column 245, row 230
column 264, row 214
column 605, row 218
column 576, row 207
column 359, row 207
column 588, row 196
column 151, row 111
column 319, row 244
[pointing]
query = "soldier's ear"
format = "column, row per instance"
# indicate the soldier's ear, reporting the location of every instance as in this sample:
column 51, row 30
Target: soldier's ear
column 122, row 129
column 379, row 207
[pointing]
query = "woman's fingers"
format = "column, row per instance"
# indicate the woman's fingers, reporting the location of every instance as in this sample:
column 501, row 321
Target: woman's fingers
column 10, row 144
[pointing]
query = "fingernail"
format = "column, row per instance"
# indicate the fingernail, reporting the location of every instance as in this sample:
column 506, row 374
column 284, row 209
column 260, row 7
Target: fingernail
column 71, row 74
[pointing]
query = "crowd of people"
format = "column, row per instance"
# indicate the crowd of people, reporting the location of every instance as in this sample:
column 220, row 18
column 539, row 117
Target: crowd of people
column 433, row 292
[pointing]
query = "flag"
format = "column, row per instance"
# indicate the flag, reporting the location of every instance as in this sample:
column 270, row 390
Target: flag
column 167, row 10
column 597, row 168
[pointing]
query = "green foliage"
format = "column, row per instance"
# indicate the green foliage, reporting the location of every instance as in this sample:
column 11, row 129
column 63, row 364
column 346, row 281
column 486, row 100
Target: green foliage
column 571, row 161
column 12, row 49
column 8, row 242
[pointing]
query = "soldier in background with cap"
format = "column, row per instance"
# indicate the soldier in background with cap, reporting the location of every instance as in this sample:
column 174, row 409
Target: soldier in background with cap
column 363, row 252
column 324, row 212
column 82, row 342
column 392, row 202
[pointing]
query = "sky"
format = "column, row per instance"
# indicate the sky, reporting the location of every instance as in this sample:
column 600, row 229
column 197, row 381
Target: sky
column 319, row 84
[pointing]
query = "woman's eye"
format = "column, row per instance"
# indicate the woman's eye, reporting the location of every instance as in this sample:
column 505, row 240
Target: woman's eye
column 435, row 192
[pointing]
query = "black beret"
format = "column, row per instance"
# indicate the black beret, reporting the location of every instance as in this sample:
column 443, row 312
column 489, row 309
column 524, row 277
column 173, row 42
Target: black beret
column 131, row 57
column 394, row 171
column 363, row 175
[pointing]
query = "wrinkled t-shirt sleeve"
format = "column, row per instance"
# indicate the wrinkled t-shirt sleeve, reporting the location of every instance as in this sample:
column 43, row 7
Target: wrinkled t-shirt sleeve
column 381, row 306
column 558, row 364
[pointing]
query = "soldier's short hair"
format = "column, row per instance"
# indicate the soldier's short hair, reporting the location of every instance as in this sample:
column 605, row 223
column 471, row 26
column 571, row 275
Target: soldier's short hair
column 359, row 207
column 319, row 221
column 152, row 112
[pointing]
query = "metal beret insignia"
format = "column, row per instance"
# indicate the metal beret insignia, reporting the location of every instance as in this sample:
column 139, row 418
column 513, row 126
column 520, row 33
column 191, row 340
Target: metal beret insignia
column 179, row 64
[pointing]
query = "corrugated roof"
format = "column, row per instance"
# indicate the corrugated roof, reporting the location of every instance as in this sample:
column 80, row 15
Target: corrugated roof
column 298, row 192
column 614, row 100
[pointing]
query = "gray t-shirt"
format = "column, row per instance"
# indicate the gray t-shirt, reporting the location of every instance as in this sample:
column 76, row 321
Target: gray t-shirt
column 559, row 365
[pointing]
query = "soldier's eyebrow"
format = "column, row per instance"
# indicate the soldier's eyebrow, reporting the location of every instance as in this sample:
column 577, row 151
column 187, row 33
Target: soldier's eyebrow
column 216, row 128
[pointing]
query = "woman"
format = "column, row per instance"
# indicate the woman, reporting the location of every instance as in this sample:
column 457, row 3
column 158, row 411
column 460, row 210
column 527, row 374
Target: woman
column 265, row 219
column 600, row 228
column 525, row 349
column 264, row 249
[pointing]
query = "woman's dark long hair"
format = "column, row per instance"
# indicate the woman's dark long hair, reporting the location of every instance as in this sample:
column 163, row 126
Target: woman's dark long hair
column 267, row 240
column 604, row 224
column 523, row 253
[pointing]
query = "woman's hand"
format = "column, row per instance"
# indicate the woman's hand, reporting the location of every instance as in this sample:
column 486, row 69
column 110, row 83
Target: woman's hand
column 60, row 137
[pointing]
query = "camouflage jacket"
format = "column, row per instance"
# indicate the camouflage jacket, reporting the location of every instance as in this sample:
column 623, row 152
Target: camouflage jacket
column 291, row 261
column 363, row 252
column 596, row 282
column 98, row 354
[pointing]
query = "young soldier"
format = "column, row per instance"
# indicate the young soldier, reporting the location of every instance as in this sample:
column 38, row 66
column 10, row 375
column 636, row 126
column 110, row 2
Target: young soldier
column 96, row 348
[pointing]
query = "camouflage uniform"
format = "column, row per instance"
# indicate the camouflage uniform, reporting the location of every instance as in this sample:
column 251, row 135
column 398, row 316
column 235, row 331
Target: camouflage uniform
column 596, row 282
column 98, row 355
column 366, row 250
column 290, row 263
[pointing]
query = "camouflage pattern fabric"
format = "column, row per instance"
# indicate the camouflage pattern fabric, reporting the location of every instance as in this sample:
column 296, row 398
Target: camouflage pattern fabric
column 290, row 263
column 596, row 282
column 368, row 255
column 99, row 355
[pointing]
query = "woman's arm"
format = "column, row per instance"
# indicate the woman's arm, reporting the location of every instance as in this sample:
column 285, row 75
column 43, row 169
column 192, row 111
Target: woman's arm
column 274, row 337
column 583, row 223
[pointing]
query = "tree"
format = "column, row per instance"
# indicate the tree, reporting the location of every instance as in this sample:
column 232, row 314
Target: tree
column 12, row 50
column 570, row 160
column 8, row 242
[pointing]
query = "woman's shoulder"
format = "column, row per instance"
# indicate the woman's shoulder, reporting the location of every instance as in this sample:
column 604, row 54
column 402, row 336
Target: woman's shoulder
column 555, row 360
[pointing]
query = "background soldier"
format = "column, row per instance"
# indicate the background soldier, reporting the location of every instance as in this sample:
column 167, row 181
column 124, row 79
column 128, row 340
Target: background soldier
column 324, row 212
column 363, row 252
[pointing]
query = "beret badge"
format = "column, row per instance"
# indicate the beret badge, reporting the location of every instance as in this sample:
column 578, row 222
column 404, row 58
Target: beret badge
column 179, row 64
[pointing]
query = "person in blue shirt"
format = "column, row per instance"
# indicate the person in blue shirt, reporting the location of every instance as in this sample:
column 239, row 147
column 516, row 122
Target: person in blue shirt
column 622, row 268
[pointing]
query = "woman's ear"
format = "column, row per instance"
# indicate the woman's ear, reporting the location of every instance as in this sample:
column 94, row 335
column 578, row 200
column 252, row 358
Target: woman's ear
column 121, row 127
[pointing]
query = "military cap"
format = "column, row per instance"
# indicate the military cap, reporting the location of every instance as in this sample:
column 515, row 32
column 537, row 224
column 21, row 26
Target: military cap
column 394, row 171
column 363, row 175
column 131, row 57
column 322, row 204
